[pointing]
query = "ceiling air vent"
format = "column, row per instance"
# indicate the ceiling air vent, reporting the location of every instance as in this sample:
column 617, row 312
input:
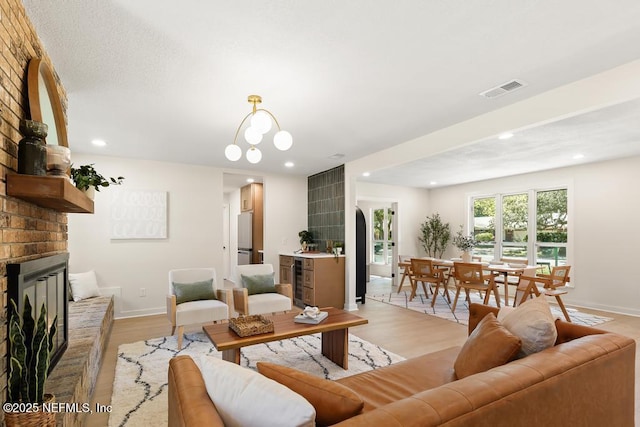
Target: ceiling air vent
column 504, row 88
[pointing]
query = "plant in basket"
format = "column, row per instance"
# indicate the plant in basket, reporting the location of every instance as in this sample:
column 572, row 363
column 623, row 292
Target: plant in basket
column 30, row 343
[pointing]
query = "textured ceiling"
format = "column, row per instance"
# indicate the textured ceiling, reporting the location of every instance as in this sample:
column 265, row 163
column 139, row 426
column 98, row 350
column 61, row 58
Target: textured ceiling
column 168, row 80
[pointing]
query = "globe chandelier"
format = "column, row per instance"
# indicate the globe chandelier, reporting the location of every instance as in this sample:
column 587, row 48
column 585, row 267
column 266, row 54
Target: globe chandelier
column 261, row 123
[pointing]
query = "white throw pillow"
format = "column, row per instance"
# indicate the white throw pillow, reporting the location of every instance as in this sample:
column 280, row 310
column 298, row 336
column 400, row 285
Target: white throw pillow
column 246, row 398
column 532, row 322
column 84, row 285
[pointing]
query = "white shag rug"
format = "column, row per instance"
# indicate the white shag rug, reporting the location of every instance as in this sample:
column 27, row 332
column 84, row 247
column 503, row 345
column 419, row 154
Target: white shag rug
column 140, row 384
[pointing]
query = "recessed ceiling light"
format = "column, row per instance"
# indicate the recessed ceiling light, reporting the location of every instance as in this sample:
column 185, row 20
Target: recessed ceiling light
column 336, row 156
column 366, row 173
column 505, row 135
column 98, row 142
column 250, row 180
column 432, row 183
column 578, row 156
column 289, row 164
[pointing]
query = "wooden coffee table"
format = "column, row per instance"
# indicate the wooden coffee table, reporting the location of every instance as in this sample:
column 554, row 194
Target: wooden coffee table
column 334, row 329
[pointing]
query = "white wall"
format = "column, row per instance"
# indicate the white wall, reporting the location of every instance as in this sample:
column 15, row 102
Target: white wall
column 603, row 234
column 285, row 214
column 195, row 235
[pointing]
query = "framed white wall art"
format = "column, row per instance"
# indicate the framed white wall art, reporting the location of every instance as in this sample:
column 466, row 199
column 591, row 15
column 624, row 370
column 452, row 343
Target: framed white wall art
column 138, row 214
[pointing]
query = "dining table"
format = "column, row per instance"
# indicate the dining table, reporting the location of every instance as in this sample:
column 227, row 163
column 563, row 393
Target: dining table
column 507, row 270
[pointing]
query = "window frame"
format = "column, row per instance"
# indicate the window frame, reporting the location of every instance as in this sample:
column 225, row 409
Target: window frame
column 532, row 245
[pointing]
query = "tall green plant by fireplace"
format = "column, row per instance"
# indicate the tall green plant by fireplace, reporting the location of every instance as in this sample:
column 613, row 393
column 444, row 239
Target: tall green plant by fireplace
column 434, row 236
column 31, row 344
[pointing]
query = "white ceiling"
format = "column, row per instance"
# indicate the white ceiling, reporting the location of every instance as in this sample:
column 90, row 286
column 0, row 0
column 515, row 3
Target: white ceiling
column 169, row 80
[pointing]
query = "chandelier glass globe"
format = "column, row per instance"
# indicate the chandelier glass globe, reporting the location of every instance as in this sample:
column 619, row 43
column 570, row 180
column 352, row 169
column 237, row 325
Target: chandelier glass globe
column 261, row 122
column 233, row 152
column 283, row 140
column 254, row 155
column 252, row 136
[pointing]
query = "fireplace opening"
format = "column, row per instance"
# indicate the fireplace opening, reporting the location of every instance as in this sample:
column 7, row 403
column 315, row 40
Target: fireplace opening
column 45, row 281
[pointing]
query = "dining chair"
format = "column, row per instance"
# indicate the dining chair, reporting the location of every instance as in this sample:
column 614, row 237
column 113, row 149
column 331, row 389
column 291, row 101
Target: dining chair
column 551, row 285
column 404, row 263
column 470, row 276
column 423, row 271
column 194, row 298
column 513, row 279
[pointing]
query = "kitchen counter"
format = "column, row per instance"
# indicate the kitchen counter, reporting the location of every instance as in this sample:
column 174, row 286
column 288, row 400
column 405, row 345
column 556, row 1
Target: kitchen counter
column 310, row 255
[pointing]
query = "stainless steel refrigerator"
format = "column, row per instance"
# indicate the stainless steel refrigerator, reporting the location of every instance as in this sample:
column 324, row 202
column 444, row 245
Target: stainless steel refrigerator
column 245, row 238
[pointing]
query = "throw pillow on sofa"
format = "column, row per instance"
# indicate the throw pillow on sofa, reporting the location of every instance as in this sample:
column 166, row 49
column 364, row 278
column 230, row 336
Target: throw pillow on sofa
column 84, row 285
column 333, row 401
column 533, row 322
column 244, row 398
column 489, row 345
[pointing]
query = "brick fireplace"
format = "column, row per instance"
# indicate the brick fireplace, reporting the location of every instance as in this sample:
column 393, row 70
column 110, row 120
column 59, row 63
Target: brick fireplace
column 28, row 231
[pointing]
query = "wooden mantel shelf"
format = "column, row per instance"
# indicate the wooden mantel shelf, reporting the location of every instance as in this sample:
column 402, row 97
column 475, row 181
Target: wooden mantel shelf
column 52, row 192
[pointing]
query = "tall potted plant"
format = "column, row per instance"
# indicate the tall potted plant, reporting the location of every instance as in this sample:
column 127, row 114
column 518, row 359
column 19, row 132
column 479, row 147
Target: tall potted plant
column 31, row 344
column 434, row 236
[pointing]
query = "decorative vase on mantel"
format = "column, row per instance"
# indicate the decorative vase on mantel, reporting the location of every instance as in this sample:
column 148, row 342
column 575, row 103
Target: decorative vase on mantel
column 32, row 151
column 466, row 256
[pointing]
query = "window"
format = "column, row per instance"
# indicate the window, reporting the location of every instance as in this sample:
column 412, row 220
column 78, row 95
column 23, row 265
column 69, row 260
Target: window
column 382, row 233
column 551, row 228
column 514, row 226
column 484, row 226
column 530, row 226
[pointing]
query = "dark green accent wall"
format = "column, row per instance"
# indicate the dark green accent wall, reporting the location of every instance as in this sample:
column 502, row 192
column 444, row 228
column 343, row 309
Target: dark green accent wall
column 326, row 206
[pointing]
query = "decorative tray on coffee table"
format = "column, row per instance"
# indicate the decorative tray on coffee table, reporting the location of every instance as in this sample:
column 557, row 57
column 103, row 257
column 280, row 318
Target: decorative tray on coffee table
column 246, row 326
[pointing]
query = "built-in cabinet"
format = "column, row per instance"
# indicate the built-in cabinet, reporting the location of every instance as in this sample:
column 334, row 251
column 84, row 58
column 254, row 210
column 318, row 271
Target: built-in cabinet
column 286, row 269
column 316, row 280
column 251, row 201
column 248, row 196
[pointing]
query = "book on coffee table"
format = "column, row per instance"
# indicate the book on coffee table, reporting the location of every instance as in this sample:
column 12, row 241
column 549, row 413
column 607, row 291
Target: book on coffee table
column 301, row 318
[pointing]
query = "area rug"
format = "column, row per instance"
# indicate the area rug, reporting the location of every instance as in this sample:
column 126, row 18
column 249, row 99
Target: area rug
column 140, row 384
column 442, row 307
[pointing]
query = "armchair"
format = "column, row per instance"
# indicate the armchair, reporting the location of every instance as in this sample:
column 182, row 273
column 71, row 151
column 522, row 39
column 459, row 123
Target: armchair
column 247, row 301
column 193, row 298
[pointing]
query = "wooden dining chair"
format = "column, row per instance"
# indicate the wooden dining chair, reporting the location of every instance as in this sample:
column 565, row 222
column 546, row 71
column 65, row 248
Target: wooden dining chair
column 513, row 279
column 404, row 263
column 551, row 285
column 470, row 276
column 423, row 271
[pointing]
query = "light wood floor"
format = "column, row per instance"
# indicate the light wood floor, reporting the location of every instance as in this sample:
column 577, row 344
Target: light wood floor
column 404, row 332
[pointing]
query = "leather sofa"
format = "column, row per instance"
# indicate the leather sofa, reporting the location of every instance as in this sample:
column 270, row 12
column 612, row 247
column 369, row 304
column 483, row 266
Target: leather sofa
column 586, row 379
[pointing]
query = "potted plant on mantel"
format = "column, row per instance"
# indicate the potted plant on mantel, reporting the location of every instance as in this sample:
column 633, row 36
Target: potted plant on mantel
column 87, row 179
column 30, row 346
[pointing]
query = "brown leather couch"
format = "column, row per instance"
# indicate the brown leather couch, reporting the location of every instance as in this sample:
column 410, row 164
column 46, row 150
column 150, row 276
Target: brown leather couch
column 586, row 379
